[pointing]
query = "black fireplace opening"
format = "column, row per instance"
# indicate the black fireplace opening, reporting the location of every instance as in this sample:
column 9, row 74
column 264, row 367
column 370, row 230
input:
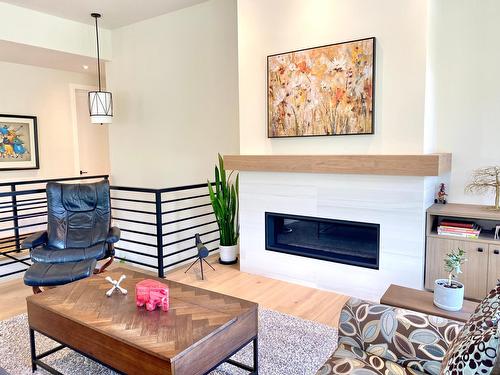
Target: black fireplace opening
column 347, row 242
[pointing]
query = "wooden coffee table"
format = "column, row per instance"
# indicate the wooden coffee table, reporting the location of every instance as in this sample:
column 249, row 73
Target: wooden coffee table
column 201, row 330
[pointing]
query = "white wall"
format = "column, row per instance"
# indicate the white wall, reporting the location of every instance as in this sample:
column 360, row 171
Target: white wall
column 29, row 27
column 269, row 27
column 45, row 93
column 463, row 73
column 175, row 88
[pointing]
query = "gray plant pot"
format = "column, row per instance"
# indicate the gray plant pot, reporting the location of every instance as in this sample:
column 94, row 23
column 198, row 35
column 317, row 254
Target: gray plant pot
column 448, row 298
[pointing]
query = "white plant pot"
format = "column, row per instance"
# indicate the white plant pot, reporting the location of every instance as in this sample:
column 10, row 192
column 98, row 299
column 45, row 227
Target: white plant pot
column 228, row 254
column 447, row 298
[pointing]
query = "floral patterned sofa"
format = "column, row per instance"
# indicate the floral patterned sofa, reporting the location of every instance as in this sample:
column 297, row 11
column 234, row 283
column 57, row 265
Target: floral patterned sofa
column 377, row 339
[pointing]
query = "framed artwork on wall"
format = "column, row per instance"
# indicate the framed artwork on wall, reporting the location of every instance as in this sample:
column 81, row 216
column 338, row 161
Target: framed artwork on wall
column 18, row 143
column 322, row 91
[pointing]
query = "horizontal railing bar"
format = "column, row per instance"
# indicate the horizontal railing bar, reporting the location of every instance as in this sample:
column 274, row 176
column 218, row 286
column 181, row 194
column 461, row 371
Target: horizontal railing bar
column 189, row 238
column 136, row 252
column 32, row 199
column 188, row 218
column 16, row 261
column 29, row 182
column 23, row 226
column 21, row 192
column 186, row 208
column 189, row 258
column 130, row 200
column 12, row 238
column 185, row 198
column 23, row 209
column 188, row 248
column 9, row 245
column 133, row 189
column 188, row 228
column 137, row 232
column 136, row 262
column 137, row 242
column 25, row 216
column 133, row 221
column 185, row 187
column 20, row 205
column 12, row 251
column 135, row 211
column 13, row 272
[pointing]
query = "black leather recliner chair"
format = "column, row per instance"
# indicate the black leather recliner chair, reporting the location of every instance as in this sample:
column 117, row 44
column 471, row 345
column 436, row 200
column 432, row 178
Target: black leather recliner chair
column 79, row 234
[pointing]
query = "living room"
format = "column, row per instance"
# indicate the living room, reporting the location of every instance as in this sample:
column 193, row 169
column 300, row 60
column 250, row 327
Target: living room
column 351, row 224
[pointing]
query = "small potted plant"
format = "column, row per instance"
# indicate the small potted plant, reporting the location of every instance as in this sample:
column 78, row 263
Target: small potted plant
column 449, row 293
column 224, row 200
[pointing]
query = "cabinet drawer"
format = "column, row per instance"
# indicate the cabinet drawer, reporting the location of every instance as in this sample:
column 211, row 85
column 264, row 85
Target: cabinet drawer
column 475, row 270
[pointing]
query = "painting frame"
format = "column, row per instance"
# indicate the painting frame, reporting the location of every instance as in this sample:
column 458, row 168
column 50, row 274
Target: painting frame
column 32, row 124
column 373, row 74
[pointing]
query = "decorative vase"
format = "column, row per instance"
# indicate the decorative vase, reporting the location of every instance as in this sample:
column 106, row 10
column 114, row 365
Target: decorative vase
column 447, row 297
column 228, row 254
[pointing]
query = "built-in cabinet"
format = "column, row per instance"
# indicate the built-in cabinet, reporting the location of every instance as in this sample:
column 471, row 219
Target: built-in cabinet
column 482, row 269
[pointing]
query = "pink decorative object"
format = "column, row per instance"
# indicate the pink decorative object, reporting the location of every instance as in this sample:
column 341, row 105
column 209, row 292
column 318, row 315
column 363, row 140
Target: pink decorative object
column 152, row 293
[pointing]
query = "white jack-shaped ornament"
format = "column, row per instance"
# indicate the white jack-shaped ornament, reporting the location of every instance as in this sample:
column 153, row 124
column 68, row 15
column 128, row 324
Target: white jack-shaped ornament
column 116, row 285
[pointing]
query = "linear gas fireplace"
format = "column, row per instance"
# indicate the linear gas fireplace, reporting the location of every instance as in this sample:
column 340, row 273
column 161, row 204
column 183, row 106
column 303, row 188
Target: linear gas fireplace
column 340, row 241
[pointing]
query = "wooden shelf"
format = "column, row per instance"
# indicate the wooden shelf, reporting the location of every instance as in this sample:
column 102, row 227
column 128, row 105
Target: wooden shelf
column 469, row 211
column 487, row 237
column 392, row 165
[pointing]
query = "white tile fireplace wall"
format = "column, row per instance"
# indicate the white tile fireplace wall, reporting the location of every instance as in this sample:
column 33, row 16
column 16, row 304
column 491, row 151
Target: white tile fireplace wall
column 397, row 203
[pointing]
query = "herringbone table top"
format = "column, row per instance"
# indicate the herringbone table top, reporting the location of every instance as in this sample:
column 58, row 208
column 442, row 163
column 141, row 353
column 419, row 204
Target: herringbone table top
column 195, row 314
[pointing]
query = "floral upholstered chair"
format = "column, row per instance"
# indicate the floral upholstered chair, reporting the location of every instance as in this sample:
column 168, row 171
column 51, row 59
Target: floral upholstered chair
column 377, row 339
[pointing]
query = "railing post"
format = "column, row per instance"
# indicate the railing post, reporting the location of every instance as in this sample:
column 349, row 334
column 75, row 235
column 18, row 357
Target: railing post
column 159, row 233
column 15, row 219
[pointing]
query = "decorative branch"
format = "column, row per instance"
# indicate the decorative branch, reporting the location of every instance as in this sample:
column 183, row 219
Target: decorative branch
column 483, row 180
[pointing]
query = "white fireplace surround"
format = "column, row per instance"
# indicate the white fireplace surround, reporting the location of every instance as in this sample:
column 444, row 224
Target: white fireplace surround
column 397, row 203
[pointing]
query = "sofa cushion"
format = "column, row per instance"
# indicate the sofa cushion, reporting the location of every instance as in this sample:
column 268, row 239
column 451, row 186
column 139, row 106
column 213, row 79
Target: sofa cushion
column 473, row 353
column 407, row 337
column 487, row 313
column 48, row 255
column 349, row 359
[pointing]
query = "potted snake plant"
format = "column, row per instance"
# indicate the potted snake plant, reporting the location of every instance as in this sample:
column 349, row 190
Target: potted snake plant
column 449, row 293
column 224, row 199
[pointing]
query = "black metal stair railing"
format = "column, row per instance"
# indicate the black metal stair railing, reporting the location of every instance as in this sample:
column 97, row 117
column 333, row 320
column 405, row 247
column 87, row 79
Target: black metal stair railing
column 158, row 225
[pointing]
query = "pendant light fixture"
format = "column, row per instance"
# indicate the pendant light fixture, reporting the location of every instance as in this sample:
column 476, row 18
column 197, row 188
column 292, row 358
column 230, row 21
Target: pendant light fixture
column 100, row 102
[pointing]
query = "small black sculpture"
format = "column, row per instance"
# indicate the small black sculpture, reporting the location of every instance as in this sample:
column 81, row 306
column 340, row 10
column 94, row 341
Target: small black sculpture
column 202, row 254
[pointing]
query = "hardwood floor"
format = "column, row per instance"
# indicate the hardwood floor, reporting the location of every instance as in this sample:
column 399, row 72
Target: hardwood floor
column 307, row 303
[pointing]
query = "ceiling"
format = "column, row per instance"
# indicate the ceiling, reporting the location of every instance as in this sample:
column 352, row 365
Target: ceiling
column 115, row 13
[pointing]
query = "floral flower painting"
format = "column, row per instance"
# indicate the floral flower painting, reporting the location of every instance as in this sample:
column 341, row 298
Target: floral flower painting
column 322, row 91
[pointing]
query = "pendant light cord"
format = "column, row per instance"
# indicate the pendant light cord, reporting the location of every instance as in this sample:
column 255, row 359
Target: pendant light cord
column 98, row 55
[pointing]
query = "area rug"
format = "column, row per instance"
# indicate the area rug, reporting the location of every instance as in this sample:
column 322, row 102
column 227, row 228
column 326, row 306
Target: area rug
column 287, row 346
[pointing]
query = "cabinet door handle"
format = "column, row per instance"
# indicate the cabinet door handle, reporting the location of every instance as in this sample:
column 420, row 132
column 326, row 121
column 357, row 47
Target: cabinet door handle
column 496, row 251
column 480, row 249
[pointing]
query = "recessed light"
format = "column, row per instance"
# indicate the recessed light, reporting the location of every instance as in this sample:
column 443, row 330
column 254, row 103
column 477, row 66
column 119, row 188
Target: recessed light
column 85, row 67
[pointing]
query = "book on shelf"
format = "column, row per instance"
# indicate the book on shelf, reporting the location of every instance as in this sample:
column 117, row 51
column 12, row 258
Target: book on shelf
column 463, row 229
column 458, row 224
column 459, row 234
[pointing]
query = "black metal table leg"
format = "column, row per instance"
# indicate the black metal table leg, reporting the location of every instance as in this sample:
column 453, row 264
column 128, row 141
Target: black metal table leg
column 256, row 355
column 252, row 370
column 33, row 350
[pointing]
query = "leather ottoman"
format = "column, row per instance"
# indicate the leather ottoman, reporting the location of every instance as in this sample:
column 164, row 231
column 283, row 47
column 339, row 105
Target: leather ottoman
column 53, row 274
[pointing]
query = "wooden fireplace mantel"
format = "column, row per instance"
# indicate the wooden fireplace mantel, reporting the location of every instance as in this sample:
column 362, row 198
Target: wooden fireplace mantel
column 392, row 165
